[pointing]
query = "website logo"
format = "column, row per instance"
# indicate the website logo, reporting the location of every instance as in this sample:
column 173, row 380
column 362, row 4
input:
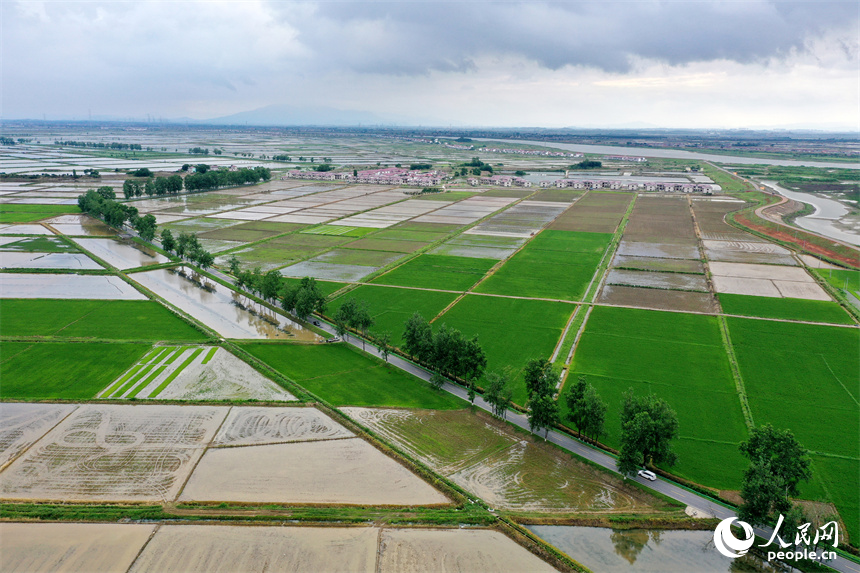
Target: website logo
column 726, row 542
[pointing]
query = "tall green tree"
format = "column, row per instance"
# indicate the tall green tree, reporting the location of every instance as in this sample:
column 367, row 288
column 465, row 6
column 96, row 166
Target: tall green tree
column 499, row 393
column 362, row 320
column 778, row 463
column 145, row 227
column 168, row 243
column 384, row 342
column 540, row 377
column 585, row 410
column 418, row 337
column 345, row 316
column 543, row 412
column 648, row 425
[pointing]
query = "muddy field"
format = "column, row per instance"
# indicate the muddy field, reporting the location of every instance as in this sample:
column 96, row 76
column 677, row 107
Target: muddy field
column 70, row 547
column 659, row 250
column 658, row 299
column 122, row 254
column 35, row 260
column 657, row 280
column 710, row 217
column 594, row 213
column 334, row 471
column 506, row 469
column 657, row 264
column 748, row 252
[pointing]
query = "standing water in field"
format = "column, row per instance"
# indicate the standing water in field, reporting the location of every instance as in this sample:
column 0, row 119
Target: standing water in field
column 227, row 312
column 646, row 550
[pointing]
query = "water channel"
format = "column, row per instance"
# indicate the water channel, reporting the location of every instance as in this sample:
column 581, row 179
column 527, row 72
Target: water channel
column 646, row 550
column 829, row 219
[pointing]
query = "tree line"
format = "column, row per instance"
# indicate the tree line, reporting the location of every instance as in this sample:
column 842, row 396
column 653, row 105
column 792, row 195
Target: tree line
column 100, row 145
column 213, row 179
column 187, row 247
column 100, row 203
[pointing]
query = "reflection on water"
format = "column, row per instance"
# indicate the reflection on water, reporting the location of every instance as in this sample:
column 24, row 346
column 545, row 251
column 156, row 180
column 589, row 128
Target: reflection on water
column 227, row 312
column 624, row 551
column 823, row 220
column 122, row 253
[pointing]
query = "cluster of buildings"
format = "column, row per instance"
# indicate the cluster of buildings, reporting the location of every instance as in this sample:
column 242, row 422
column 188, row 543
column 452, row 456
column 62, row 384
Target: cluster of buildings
column 658, row 186
column 382, row 176
column 499, row 181
column 628, row 158
column 535, row 152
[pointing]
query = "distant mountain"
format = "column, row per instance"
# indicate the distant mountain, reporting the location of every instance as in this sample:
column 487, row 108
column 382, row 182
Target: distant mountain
column 280, row 114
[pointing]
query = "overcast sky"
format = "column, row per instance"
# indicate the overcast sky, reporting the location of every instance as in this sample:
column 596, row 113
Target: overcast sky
column 663, row 63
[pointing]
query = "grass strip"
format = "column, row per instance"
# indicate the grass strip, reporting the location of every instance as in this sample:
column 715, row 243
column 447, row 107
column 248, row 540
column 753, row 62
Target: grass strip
column 139, row 388
column 177, row 354
column 176, row 372
column 163, row 352
column 149, row 355
column 134, row 380
column 109, row 392
column 210, row 354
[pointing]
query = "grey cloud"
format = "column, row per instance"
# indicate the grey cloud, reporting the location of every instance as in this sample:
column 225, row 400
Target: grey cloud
column 418, row 37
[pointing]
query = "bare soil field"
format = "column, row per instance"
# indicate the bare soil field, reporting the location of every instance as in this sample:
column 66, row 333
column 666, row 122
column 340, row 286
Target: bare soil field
column 21, row 424
column 657, row 280
column 659, row 299
column 594, row 213
column 342, row 471
column 257, row 426
column 230, row 549
column 454, row 550
column 710, row 216
column 70, row 547
column 507, row 469
column 774, row 272
column 113, row 453
column 660, row 219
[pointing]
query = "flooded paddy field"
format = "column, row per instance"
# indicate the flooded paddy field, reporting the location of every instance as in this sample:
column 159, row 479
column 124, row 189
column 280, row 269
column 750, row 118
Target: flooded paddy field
column 24, row 229
column 748, row 252
column 80, row 226
column 659, row 299
column 194, row 373
column 522, row 220
column 36, row 260
column 66, row 286
column 658, row 264
column 659, row 250
column 122, row 254
column 193, row 548
column 223, row 310
column 508, row 469
column 36, row 244
column 647, row 551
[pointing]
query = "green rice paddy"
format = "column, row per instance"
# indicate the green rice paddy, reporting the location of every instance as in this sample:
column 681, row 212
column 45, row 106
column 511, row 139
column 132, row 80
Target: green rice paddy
column 344, row 376
column 555, row 264
column 438, row 272
column 27, row 213
column 786, row 308
column 106, row 319
column 63, row 370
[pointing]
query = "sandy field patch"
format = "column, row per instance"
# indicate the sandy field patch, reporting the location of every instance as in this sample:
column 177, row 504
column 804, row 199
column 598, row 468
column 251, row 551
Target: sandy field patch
column 443, row 550
column 257, row 426
column 114, row 453
column 739, row 285
column 753, row 271
column 816, row 263
column 23, row 285
column 809, row 291
column 658, row 299
column 348, row 471
column 68, row 547
column 21, row 424
column 230, row 549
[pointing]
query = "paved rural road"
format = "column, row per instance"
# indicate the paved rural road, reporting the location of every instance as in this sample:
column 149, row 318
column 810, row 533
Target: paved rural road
column 592, row 454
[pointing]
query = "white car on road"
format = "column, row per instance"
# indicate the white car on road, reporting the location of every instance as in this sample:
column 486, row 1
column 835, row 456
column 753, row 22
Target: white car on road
column 649, row 475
